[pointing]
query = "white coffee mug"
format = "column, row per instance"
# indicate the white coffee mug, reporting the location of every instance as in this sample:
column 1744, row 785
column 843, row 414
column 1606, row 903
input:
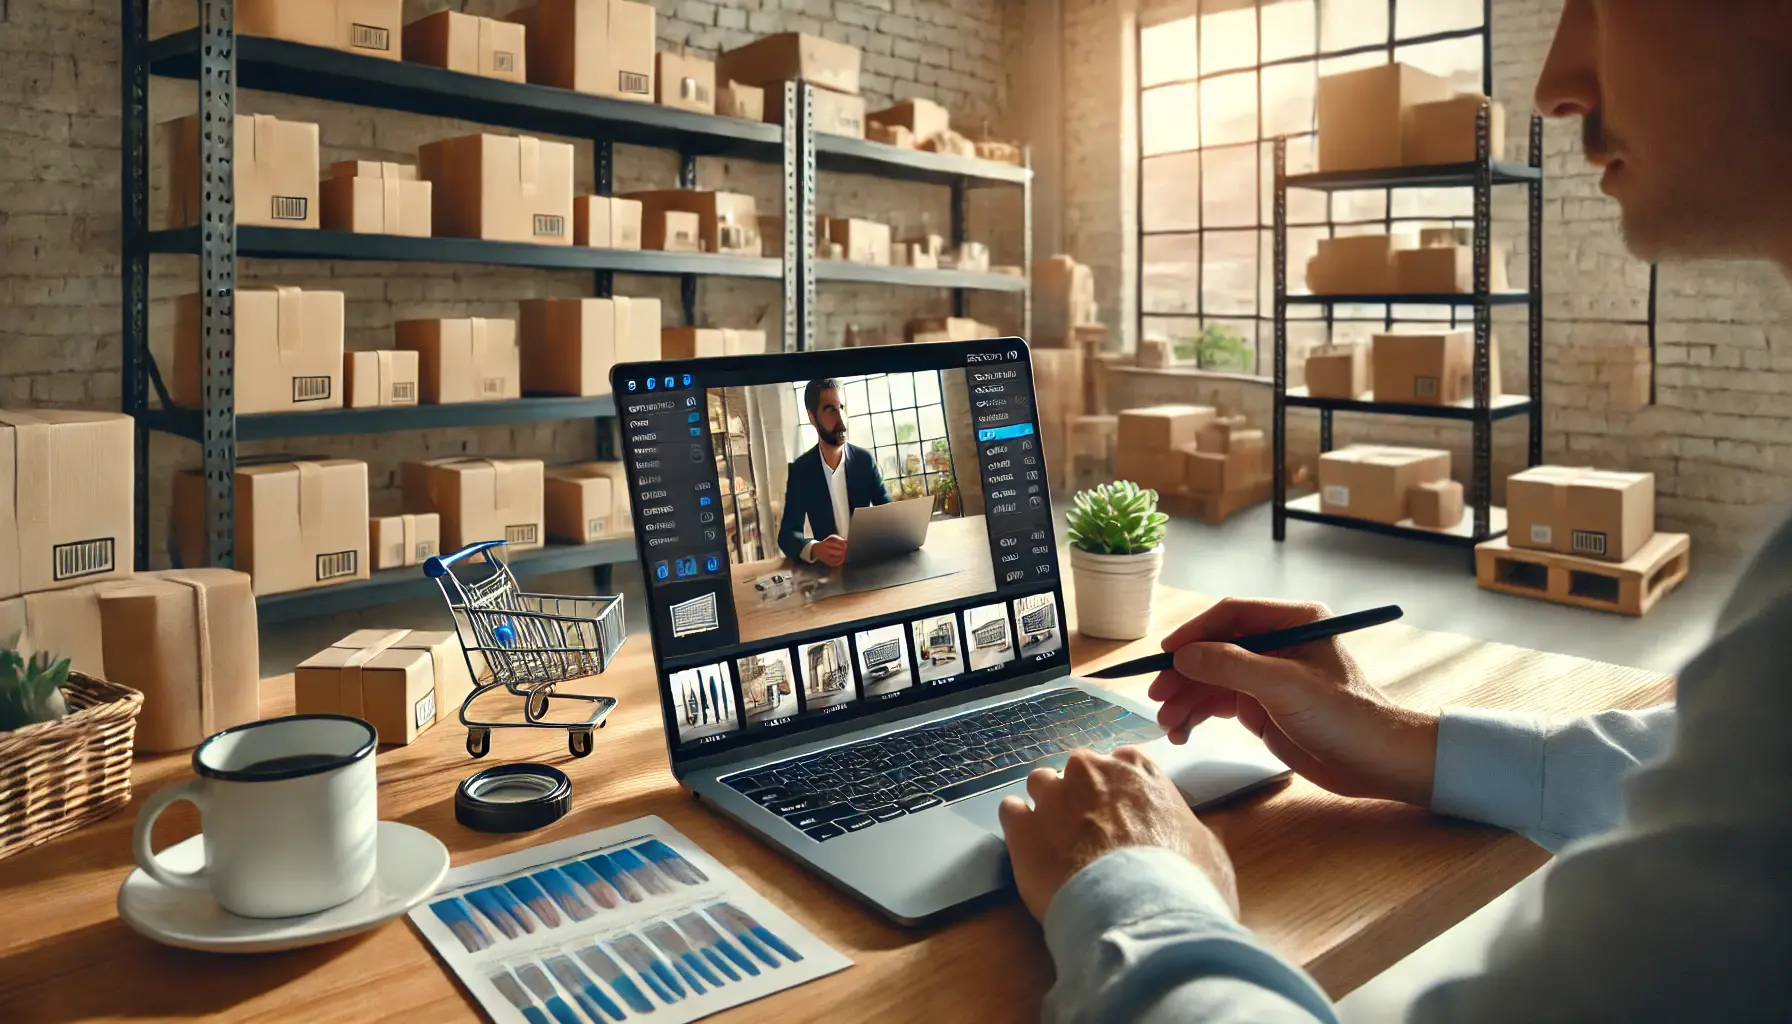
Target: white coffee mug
column 288, row 814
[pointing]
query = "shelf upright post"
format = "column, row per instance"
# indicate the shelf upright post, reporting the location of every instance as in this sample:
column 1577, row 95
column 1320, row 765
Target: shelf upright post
column 1026, row 245
column 1482, row 476
column 957, row 228
column 217, row 273
column 1279, row 396
column 133, row 339
column 687, row 283
column 799, row 217
column 603, row 158
column 1535, row 192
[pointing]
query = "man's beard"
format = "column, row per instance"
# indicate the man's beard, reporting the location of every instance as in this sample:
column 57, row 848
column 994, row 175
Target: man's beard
column 834, row 438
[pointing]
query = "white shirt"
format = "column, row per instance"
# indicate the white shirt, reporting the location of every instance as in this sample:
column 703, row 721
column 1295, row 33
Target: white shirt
column 836, row 478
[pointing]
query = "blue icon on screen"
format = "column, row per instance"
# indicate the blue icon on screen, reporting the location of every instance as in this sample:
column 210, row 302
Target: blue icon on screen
column 712, row 564
column 652, row 382
column 669, row 384
column 632, row 385
column 662, row 570
column 696, row 431
column 691, row 418
column 689, row 401
column 704, row 500
column 687, row 380
column 687, row 567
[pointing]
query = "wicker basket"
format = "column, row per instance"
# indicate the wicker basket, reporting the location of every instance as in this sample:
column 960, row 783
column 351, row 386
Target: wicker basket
column 58, row 776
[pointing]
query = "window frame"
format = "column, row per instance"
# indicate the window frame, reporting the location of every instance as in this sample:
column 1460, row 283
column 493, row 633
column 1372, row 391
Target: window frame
column 927, row 476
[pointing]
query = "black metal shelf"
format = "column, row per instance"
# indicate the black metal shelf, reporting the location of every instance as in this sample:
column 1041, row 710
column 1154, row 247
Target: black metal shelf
column 1412, row 299
column 862, row 156
column 386, row 419
column 391, row 585
column 1462, row 535
column 1502, row 407
column 1433, row 176
column 868, row 273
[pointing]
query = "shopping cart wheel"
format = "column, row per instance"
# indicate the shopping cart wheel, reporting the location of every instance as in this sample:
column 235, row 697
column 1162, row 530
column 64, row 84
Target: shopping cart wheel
column 579, row 741
column 538, row 705
column 479, row 741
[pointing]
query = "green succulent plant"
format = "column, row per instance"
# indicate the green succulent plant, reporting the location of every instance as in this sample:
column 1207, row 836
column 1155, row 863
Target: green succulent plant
column 30, row 688
column 1120, row 518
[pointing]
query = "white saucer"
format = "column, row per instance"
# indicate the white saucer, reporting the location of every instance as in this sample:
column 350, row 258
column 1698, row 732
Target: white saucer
column 411, row 864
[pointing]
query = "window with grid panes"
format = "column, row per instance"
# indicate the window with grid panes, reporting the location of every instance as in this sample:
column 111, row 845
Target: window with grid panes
column 1217, row 87
column 900, row 419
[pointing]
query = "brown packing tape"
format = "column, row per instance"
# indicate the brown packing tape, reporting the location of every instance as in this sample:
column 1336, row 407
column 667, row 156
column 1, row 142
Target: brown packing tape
column 311, row 501
column 31, row 461
column 349, row 678
column 262, row 139
column 390, row 207
column 529, row 165
column 289, row 324
column 408, row 528
column 385, row 376
column 481, row 346
column 487, row 44
column 503, row 474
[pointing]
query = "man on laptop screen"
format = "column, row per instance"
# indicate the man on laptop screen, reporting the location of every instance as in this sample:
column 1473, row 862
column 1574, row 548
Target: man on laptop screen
column 827, row 482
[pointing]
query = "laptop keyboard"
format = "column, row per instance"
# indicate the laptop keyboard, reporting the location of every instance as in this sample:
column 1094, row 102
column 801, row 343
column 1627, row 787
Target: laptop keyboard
column 855, row 787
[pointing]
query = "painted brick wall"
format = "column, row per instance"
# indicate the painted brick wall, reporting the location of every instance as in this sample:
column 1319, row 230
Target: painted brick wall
column 59, row 189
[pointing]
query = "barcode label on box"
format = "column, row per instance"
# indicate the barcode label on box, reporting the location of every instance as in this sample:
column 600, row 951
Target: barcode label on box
column 631, row 82
column 84, row 558
column 291, row 207
column 1542, row 534
column 491, row 386
column 1424, row 387
column 549, row 225
column 522, row 534
column 1335, row 495
column 337, row 564
column 370, row 37
column 425, row 549
column 503, row 60
column 597, row 527
column 1587, row 542
column 404, row 392
column 310, row 389
column 424, row 711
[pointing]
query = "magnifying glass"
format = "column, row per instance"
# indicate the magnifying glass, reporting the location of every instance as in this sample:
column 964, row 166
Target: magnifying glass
column 513, row 798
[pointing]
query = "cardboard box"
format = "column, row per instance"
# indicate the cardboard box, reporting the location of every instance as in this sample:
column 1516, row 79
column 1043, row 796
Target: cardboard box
column 727, row 222
column 1223, row 439
column 1579, row 511
column 469, row 44
column 606, row 222
column 890, row 135
column 793, row 55
column 951, row 143
column 1446, row 237
column 288, row 351
column 621, row 520
column 299, row 525
column 703, row 342
column 1243, row 462
column 503, row 188
column 188, row 640
column 398, row 541
column 972, row 256
column 1154, row 470
column 686, row 82
column 580, row 504
column 386, row 377
column 469, row 359
column 737, row 99
column 1094, row 436
column 1353, row 265
column 66, row 498
column 1376, row 483
column 1204, row 472
column 1446, row 270
column 603, row 47
column 479, row 499
column 949, row 328
column 1063, row 298
column 401, row 681
column 1421, row 369
column 1362, row 114
column 865, row 241
column 569, row 345
column 1437, row 504
column 1338, row 371
column 1155, row 354
column 924, row 119
column 372, row 28
column 1162, row 428
column 671, row 230
column 1443, row 132
column 274, row 170
column 370, row 197
column 835, row 113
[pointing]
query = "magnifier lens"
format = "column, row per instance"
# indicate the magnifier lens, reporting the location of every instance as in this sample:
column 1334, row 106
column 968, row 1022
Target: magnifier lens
column 513, row 798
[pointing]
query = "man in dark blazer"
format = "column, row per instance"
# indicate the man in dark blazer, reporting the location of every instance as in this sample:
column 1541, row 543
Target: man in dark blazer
column 826, row 483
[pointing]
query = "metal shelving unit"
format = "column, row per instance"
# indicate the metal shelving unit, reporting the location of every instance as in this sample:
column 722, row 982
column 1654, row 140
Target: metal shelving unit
column 1483, row 409
column 220, row 63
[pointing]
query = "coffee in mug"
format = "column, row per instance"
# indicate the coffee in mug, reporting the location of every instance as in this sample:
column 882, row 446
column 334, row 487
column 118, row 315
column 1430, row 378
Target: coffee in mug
column 288, row 814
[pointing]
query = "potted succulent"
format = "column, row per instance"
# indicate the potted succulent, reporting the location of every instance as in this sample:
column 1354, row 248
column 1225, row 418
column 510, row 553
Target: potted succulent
column 1116, row 554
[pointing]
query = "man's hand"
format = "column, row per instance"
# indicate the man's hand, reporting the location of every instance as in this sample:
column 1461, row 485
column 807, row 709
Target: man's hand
column 1310, row 704
column 831, row 552
column 1098, row 805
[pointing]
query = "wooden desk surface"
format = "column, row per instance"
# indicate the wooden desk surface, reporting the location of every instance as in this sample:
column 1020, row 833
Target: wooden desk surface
column 962, row 543
column 1344, row 887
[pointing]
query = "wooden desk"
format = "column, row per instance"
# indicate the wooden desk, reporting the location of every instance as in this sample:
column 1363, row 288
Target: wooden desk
column 962, row 543
column 1344, row 887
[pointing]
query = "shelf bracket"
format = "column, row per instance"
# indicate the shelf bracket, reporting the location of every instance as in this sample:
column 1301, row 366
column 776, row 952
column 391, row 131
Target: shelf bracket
column 217, row 274
column 799, row 217
column 961, row 211
column 134, row 267
column 1481, row 483
column 603, row 159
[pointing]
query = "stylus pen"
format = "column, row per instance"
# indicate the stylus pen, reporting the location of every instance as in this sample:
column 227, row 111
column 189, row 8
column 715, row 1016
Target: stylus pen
column 1263, row 643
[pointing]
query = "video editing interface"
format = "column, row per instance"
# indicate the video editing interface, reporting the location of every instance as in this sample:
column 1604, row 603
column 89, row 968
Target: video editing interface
column 818, row 549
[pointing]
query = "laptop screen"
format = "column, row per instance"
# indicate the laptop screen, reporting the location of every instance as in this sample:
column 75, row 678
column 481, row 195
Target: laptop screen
column 826, row 535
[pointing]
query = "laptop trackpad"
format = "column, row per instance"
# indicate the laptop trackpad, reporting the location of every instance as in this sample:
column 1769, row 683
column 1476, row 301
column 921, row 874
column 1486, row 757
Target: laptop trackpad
column 984, row 810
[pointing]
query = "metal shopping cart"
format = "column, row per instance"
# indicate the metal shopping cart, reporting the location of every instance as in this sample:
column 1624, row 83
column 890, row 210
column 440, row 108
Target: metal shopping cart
column 526, row 643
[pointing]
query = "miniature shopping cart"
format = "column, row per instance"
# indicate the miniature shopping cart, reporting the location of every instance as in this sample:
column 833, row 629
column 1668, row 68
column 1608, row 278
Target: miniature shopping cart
column 526, row 644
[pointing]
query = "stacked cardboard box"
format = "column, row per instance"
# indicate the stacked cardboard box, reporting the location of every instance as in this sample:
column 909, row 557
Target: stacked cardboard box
column 1376, row 482
column 500, row 187
column 299, row 524
column 569, row 345
column 1338, row 371
column 469, row 44
column 854, row 240
column 1063, row 300
column 604, row 47
column 370, row 197
column 585, row 502
column 1395, row 115
column 1226, row 458
column 372, row 379
column 1438, row 262
column 910, row 124
column 469, row 359
column 949, row 328
column 398, row 541
column 703, row 342
column 606, row 222
column 686, row 82
column 274, row 170
column 1151, row 442
column 402, row 681
column 1431, row 368
column 373, row 28
column 726, row 222
column 833, row 68
column 288, row 351
column 923, row 253
column 479, row 499
column 66, row 495
column 737, row 99
column 1578, row 511
column 1058, row 398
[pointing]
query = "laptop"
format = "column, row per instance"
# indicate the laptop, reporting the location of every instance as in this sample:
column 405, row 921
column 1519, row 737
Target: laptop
column 915, row 709
column 885, row 531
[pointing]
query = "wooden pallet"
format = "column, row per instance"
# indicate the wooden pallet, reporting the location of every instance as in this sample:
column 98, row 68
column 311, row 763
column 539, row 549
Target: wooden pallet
column 1628, row 588
column 1214, row 508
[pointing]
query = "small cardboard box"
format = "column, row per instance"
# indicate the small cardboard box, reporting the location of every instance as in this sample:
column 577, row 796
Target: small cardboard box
column 835, row 113
column 737, row 99
column 1220, row 438
column 1362, row 114
column 1153, row 470
column 369, row 197
column 1353, row 265
column 671, row 231
column 621, row 520
column 606, row 222
column 469, row 44
column 66, row 498
column 1376, row 483
column 1437, row 504
column 288, row 351
column 401, row 681
column 581, row 504
column 299, row 525
column 1443, row 132
column 373, row 28
column 503, row 188
column 703, row 342
column 793, row 55
column 1338, row 371
column 386, row 377
column 865, row 241
column 1446, row 270
column 274, row 168
column 1094, row 436
column 479, row 499
column 923, row 118
column 65, row 623
column 890, row 135
column 1421, row 369
column 1204, row 472
column 727, row 222
column 686, row 82
column 469, row 359
column 1578, row 511
column 949, row 328
column 1162, row 428
column 1063, row 299
column 398, row 541
column 569, row 345
column 603, row 47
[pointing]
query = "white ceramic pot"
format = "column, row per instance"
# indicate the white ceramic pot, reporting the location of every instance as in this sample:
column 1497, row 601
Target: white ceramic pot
column 1114, row 592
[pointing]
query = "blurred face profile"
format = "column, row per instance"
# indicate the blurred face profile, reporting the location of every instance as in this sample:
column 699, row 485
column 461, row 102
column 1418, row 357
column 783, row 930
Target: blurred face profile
column 829, row 417
column 1684, row 106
